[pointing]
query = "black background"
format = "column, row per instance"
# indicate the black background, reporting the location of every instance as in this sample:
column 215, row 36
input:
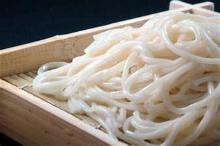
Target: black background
column 24, row 21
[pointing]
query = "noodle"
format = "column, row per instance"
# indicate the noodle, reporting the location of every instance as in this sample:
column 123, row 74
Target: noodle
column 157, row 85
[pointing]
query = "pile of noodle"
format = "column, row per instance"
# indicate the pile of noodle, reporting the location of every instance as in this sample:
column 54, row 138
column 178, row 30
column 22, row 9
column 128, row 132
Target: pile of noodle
column 156, row 85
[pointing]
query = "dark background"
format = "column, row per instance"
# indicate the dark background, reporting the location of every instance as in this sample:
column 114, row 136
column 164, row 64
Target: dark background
column 24, row 21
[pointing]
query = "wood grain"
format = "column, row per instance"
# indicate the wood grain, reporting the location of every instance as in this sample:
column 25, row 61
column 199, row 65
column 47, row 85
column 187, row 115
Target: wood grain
column 43, row 124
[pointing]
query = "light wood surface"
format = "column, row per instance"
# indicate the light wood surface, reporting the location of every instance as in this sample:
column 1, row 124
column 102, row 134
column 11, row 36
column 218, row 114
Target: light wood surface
column 40, row 123
column 34, row 119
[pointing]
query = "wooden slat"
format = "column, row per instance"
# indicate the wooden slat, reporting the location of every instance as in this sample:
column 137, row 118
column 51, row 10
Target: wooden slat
column 205, row 8
column 175, row 4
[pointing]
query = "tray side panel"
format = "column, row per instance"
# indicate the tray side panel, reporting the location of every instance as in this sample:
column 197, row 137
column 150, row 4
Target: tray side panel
column 30, row 56
column 31, row 125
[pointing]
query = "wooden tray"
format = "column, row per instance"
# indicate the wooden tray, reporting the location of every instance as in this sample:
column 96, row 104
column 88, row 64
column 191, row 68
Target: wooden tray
column 38, row 120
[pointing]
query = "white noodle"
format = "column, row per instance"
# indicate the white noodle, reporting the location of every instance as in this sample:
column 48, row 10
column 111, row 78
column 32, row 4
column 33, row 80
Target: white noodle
column 157, row 85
